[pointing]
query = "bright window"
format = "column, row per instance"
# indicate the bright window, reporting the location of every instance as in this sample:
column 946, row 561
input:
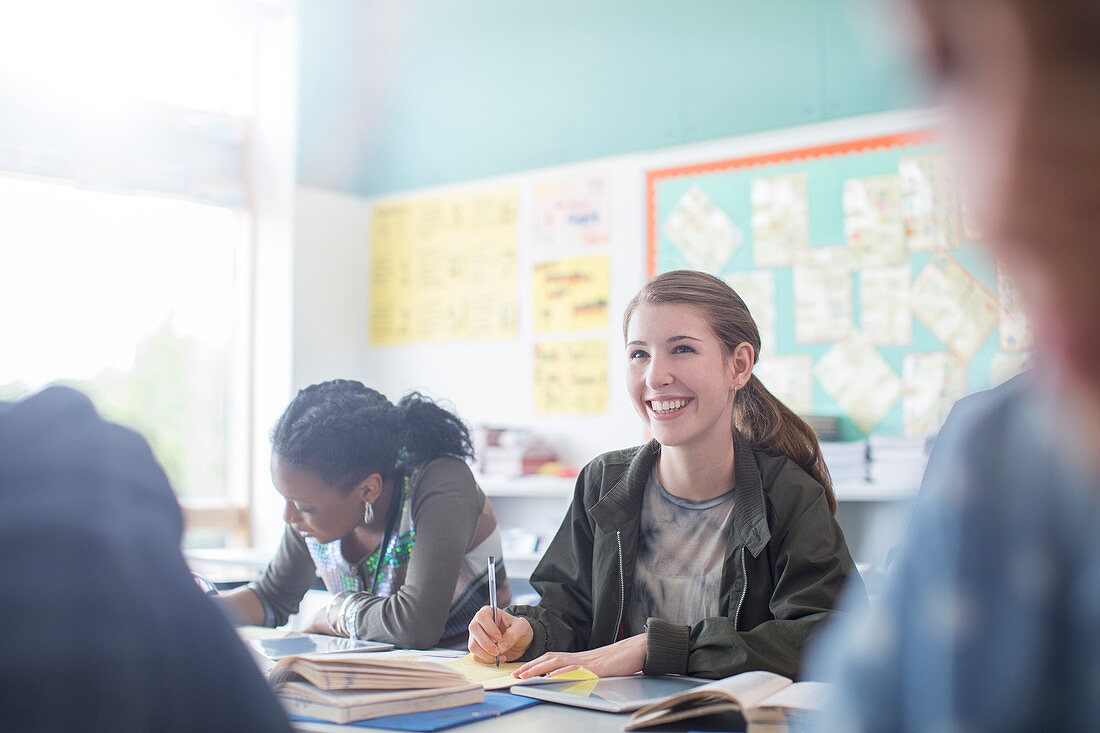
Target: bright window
column 131, row 299
column 127, row 242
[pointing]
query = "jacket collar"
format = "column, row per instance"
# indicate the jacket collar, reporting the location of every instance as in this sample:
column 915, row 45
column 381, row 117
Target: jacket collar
column 750, row 517
column 622, row 504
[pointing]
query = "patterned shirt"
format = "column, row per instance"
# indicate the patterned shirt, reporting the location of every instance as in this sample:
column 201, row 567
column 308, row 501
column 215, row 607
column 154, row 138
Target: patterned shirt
column 366, row 576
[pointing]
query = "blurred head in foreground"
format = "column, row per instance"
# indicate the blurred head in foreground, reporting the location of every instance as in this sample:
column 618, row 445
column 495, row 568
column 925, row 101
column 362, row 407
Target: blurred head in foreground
column 1020, row 83
column 988, row 618
column 102, row 626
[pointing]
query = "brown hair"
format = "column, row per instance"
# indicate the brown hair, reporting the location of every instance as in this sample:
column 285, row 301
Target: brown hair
column 766, row 423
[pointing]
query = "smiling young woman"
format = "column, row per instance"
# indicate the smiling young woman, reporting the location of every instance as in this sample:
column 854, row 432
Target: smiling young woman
column 709, row 551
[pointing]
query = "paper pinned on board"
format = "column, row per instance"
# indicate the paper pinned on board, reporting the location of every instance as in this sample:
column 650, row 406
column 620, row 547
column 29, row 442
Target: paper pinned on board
column 1004, row 367
column 855, row 375
column 873, row 223
column 570, row 377
column 702, row 232
column 443, row 268
column 929, row 202
column 789, row 378
column 1015, row 331
column 954, row 306
column 572, row 294
column 757, row 289
column 933, row 381
column 780, row 218
column 571, row 215
column 971, row 232
column 822, row 294
column 886, row 315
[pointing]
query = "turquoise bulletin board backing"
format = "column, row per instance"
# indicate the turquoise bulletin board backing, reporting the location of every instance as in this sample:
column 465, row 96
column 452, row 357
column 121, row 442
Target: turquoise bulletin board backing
column 728, row 184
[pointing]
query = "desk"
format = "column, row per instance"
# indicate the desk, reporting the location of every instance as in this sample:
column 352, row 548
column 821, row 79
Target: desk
column 545, row 717
column 227, row 568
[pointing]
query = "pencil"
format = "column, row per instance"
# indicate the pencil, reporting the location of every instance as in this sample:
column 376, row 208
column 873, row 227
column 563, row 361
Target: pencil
column 493, row 592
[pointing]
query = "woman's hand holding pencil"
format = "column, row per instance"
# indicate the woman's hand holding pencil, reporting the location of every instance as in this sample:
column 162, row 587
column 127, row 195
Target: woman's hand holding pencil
column 507, row 638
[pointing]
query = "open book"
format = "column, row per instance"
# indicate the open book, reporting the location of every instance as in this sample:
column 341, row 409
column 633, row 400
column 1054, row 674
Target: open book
column 767, row 701
column 346, row 687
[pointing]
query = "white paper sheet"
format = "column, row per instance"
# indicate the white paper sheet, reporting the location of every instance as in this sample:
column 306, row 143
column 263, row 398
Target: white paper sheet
column 1015, row 331
column 1006, row 366
column 757, row 289
column 859, row 379
column 933, row 381
column 570, row 215
column 702, row 232
column 790, row 378
column 886, row 315
column 822, row 294
column 873, row 223
column 780, row 218
column 954, row 306
column 929, row 202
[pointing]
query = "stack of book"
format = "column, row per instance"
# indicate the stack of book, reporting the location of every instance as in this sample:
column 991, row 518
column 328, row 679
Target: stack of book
column 343, row 688
column 847, row 462
column 896, row 463
column 827, row 427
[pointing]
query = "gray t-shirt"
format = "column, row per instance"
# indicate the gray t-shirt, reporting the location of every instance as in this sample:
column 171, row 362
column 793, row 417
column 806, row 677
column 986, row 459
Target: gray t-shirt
column 681, row 548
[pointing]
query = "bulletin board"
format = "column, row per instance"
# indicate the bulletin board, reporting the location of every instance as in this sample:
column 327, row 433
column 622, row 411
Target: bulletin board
column 875, row 298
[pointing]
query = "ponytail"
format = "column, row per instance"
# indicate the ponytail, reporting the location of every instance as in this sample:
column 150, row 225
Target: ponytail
column 429, row 431
column 772, row 427
column 766, row 423
column 343, row 432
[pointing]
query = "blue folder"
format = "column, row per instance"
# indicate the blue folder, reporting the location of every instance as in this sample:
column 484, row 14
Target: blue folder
column 495, row 705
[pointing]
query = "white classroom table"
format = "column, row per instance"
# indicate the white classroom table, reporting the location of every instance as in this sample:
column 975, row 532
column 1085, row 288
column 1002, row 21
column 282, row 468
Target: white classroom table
column 542, row 718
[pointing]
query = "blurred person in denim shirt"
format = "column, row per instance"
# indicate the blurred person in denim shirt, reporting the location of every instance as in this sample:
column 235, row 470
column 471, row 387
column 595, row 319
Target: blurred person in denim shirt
column 991, row 617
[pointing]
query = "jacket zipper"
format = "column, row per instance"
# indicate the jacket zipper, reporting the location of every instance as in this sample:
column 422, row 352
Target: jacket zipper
column 744, row 590
column 622, row 584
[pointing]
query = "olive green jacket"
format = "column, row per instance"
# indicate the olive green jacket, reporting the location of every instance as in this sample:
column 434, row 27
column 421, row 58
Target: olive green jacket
column 786, row 563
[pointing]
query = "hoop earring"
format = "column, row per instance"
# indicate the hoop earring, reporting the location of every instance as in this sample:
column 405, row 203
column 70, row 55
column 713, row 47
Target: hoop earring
column 368, row 513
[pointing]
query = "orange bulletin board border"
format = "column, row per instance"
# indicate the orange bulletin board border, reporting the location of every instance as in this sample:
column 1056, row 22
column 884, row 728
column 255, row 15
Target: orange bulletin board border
column 859, row 145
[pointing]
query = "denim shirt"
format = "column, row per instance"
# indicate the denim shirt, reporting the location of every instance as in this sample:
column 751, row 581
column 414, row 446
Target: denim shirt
column 991, row 618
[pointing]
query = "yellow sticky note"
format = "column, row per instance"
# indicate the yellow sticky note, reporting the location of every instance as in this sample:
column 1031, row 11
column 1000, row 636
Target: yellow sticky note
column 489, row 675
column 493, row 677
column 580, row 673
column 585, row 687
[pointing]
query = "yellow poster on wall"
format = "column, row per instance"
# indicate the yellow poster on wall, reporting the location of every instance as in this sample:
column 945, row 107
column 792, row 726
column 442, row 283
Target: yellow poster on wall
column 572, row 294
column 443, row 268
column 571, row 377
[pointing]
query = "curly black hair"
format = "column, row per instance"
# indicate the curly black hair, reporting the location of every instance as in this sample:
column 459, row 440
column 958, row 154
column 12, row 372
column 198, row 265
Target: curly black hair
column 344, row 431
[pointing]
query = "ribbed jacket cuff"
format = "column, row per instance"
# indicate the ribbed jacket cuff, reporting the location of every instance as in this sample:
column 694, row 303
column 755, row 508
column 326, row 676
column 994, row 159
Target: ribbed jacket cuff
column 537, row 647
column 666, row 647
